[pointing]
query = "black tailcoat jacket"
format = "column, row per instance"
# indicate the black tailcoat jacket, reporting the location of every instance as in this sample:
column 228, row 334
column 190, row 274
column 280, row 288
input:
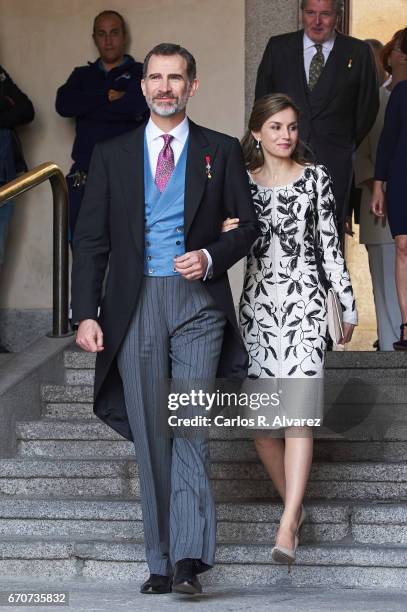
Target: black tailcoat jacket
column 340, row 110
column 110, row 231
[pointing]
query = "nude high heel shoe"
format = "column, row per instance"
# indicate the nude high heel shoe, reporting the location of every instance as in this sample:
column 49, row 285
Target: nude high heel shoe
column 280, row 554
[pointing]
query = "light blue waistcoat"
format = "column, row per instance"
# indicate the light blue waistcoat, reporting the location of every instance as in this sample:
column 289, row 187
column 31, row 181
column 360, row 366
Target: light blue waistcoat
column 164, row 218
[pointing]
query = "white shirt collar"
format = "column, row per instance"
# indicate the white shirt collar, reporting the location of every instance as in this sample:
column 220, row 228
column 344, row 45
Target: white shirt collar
column 327, row 45
column 180, row 132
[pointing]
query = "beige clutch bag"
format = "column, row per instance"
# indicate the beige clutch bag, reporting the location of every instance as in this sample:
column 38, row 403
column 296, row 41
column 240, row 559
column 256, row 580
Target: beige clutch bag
column 334, row 312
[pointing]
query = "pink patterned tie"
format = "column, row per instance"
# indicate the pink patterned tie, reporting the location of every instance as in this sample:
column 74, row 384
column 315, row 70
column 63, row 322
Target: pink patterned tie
column 165, row 163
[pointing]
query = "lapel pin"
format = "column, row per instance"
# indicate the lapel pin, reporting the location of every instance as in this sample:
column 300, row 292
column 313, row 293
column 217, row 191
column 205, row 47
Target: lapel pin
column 208, row 166
column 350, row 63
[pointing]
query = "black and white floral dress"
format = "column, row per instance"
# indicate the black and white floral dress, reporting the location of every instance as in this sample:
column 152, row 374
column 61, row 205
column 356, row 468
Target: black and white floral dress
column 283, row 317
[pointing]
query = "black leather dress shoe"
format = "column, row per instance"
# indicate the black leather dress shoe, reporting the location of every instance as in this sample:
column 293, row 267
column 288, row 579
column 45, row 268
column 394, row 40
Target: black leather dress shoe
column 156, row 585
column 401, row 345
column 185, row 579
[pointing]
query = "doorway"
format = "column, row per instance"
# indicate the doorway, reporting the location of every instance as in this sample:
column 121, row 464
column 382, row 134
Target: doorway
column 368, row 19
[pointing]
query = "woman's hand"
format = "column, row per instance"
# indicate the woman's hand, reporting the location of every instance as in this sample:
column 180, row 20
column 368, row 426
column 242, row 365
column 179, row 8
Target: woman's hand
column 378, row 201
column 347, row 332
column 230, row 224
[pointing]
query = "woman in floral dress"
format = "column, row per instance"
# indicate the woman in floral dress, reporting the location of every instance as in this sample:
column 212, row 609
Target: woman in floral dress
column 283, row 317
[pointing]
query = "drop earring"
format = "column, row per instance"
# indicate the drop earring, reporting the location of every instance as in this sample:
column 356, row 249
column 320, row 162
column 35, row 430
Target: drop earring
column 258, row 145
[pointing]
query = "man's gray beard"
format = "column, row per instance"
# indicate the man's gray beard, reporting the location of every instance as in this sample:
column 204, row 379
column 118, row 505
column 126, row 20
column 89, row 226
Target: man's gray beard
column 167, row 111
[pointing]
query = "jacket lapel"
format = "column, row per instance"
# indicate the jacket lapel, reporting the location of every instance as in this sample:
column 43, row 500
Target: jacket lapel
column 333, row 76
column 195, row 175
column 298, row 53
column 131, row 168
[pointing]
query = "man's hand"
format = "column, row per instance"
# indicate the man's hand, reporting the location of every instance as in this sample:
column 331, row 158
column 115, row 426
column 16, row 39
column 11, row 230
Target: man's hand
column 192, row 266
column 90, row 336
column 113, row 95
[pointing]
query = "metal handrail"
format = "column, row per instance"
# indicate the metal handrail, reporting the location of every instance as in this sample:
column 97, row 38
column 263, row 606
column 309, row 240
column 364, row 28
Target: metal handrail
column 36, row 176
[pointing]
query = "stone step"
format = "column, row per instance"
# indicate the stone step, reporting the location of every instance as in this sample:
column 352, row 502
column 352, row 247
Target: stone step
column 78, row 359
column 75, row 411
column 74, row 518
column 353, row 481
column 231, row 480
column 76, row 376
column 237, row 481
column 66, row 394
column 339, row 565
column 221, row 450
column 380, row 360
column 383, row 360
column 391, row 376
column 64, row 430
column 95, row 440
column 382, row 393
column 79, row 412
column 242, row 522
column 53, row 429
column 72, row 411
column 64, row 478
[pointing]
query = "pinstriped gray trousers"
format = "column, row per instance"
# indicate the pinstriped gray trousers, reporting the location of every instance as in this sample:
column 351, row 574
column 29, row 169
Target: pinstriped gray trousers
column 176, row 332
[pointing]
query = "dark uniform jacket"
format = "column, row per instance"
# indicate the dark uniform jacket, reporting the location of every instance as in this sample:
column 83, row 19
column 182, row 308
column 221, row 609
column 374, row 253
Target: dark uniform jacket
column 85, row 97
column 15, row 109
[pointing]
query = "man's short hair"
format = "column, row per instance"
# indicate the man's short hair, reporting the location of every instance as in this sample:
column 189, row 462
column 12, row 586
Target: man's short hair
column 110, row 12
column 337, row 5
column 172, row 49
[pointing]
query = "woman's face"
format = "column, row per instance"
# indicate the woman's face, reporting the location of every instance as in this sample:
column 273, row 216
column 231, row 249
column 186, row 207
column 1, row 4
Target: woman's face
column 397, row 58
column 279, row 134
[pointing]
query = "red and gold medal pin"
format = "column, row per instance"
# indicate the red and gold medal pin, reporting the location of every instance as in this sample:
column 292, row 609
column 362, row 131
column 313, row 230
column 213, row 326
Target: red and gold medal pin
column 208, row 166
column 350, row 63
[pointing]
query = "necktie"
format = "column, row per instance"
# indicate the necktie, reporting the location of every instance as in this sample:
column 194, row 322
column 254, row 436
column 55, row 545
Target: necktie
column 165, row 163
column 316, row 67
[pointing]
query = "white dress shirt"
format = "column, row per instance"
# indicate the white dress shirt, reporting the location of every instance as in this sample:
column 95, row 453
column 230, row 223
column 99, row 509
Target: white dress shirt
column 154, row 145
column 310, row 50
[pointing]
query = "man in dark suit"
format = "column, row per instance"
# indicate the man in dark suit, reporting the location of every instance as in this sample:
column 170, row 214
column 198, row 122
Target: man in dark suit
column 104, row 97
column 332, row 79
column 154, row 205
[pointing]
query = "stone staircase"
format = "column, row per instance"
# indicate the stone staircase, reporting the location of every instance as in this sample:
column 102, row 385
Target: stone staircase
column 69, row 499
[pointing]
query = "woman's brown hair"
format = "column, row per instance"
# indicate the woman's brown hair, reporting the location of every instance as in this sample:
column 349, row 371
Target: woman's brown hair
column 399, row 38
column 263, row 109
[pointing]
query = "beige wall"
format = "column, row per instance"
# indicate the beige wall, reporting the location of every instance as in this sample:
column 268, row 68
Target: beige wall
column 377, row 19
column 42, row 41
column 265, row 18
